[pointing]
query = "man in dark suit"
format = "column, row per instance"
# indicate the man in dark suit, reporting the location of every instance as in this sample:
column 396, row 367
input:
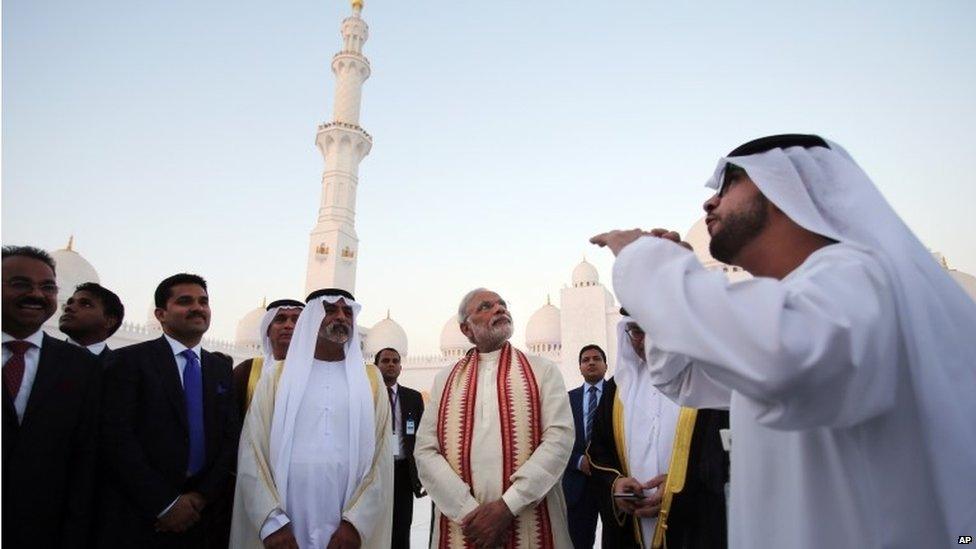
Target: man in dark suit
column 50, row 412
column 91, row 315
column 407, row 406
column 169, row 430
column 582, row 505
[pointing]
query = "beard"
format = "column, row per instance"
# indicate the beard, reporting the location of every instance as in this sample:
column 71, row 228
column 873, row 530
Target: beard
column 337, row 332
column 738, row 229
column 492, row 335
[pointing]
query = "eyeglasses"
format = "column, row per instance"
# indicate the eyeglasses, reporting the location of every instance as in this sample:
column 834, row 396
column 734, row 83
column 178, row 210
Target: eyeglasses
column 23, row 286
column 635, row 333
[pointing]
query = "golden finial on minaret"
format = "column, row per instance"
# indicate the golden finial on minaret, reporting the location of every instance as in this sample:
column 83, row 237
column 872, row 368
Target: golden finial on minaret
column 357, row 6
column 264, row 302
column 388, row 314
column 71, row 243
column 548, row 300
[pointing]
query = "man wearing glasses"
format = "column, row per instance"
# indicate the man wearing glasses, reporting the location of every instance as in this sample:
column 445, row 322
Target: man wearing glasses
column 50, row 409
column 630, row 447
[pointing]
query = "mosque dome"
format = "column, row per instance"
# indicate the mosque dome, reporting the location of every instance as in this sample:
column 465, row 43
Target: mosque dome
column 249, row 328
column 386, row 333
column 966, row 280
column 71, row 269
column 699, row 238
column 544, row 327
column 585, row 275
column 453, row 342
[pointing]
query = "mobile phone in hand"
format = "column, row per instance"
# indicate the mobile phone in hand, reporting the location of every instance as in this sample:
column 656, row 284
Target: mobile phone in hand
column 630, row 496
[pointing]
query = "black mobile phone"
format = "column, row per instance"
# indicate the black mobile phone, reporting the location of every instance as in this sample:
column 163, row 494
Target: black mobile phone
column 628, row 496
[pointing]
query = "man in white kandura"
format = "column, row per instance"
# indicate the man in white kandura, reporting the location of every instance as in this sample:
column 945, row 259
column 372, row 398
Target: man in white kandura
column 848, row 362
column 493, row 447
column 314, row 467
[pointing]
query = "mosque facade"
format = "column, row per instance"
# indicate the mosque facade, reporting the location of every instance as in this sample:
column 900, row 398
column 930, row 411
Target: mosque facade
column 587, row 311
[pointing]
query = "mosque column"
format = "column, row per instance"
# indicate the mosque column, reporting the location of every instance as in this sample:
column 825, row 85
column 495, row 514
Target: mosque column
column 333, row 244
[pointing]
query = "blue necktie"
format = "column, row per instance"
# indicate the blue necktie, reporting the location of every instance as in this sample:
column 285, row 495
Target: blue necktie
column 590, row 411
column 193, row 392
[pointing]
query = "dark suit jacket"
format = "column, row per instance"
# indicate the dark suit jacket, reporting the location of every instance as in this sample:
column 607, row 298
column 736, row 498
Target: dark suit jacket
column 49, row 458
column 145, row 439
column 574, row 482
column 411, row 408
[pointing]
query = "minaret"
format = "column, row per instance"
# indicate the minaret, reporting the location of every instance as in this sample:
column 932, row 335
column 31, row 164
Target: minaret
column 333, row 246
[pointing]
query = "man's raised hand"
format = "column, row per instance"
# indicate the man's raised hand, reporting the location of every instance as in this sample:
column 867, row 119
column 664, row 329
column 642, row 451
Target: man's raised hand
column 618, row 240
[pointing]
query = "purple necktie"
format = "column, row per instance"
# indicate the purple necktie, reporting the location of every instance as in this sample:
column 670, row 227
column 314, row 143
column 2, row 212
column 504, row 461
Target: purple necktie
column 193, row 392
column 13, row 370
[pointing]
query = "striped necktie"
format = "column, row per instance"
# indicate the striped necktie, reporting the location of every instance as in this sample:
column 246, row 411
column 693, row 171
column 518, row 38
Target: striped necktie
column 13, row 370
column 590, row 411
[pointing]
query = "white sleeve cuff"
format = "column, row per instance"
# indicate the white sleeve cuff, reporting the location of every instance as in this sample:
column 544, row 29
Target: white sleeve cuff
column 275, row 521
column 168, row 507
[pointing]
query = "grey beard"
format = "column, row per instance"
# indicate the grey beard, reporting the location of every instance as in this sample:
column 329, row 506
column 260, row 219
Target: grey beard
column 492, row 336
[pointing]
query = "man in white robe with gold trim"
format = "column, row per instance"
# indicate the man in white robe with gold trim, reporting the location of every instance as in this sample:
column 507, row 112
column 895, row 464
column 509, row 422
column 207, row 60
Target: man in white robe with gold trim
column 493, row 448
column 847, row 362
column 315, row 469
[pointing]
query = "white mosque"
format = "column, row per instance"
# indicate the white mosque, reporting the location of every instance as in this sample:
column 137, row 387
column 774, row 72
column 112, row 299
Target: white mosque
column 587, row 311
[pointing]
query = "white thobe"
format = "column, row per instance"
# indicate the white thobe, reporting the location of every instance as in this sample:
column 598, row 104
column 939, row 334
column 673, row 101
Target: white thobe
column 537, row 478
column 827, row 446
column 319, row 467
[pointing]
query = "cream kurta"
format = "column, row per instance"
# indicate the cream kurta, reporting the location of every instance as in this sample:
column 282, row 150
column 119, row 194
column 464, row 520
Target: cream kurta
column 536, row 479
column 370, row 510
column 827, row 438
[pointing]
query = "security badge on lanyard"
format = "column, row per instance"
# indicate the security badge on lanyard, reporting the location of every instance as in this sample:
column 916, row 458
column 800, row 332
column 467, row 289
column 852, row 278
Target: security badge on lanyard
column 411, row 427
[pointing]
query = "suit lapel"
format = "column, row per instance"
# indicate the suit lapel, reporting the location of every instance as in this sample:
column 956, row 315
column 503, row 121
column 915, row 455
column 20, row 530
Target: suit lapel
column 576, row 402
column 169, row 374
column 208, row 368
column 46, row 378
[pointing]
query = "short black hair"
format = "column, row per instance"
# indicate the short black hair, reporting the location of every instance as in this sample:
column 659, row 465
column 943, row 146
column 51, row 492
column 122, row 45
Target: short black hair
column 31, row 252
column 110, row 302
column 165, row 289
column 589, row 347
column 378, row 353
column 329, row 291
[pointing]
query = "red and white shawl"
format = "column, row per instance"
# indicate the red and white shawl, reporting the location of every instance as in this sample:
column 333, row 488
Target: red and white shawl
column 520, row 413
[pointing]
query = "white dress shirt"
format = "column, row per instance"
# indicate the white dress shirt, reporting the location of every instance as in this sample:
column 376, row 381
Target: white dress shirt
column 31, row 358
column 180, row 359
column 181, row 365
column 95, row 348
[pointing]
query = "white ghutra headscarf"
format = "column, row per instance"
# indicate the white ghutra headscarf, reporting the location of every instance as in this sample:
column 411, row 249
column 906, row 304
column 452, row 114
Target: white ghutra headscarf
column 291, row 389
column 823, row 190
column 266, row 349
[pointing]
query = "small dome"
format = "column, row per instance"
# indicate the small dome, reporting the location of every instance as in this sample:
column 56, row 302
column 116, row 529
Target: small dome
column 71, row 269
column 386, row 333
column 966, row 280
column 249, row 328
column 699, row 238
column 452, row 340
column 544, row 327
column 585, row 275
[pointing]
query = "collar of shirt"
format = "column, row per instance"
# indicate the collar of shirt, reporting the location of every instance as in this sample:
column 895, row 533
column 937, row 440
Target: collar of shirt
column 179, row 347
column 396, row 388
column 598, row 385
column 37, row 338
column 94, row 348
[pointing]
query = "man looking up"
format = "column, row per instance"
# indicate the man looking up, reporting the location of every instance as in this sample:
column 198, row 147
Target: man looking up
column 581, row 495
column 91, row 315
column 407, row 407
column 169, row 429
column 637, row 461
column 492, row 455
column 276, row 329
column 50, row 413
column 315, row 467
column 847, row 363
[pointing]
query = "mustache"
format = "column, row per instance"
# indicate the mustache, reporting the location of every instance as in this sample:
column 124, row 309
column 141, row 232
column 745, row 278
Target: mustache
column 32, row 301
column 196, row 315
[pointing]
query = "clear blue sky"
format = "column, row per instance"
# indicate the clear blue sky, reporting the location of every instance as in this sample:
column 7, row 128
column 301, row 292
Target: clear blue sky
column 179, row 135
